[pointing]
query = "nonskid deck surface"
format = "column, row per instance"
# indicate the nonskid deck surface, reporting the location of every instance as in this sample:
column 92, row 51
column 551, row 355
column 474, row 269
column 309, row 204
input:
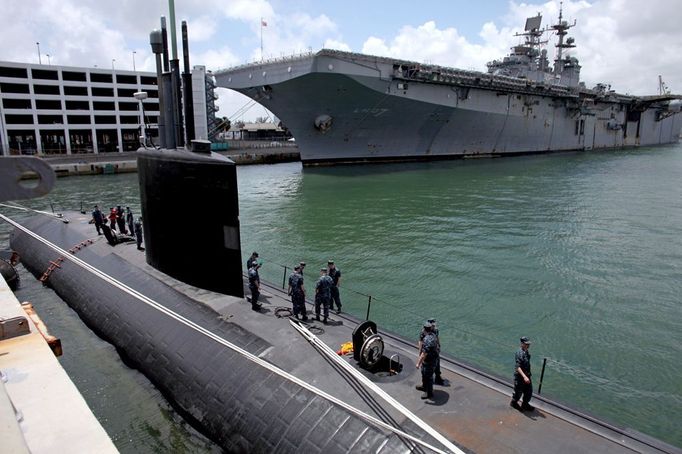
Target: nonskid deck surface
column 471, row 409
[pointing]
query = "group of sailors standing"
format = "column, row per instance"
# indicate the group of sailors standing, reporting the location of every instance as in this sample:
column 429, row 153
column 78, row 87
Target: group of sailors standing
column 118, row 219
column 327, row 293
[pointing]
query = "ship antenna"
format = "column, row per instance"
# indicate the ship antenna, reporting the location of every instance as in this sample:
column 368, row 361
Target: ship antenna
column 561, row 29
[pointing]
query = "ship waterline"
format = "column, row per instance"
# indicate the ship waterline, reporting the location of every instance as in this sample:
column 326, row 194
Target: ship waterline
column 350, row 107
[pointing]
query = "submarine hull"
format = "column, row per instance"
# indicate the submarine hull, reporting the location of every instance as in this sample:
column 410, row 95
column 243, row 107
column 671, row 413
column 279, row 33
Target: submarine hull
column 239, row 404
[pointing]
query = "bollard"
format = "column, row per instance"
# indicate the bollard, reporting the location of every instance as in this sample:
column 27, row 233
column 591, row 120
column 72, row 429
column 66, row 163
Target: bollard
column 542, row 375
column 369, row 303
column 284, row 278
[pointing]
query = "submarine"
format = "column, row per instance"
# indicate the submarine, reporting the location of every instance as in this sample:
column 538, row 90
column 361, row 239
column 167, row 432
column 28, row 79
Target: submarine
column 259, row 381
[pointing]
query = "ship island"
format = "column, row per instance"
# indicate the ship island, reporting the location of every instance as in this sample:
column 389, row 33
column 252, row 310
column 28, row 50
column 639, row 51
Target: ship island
column 345, row 107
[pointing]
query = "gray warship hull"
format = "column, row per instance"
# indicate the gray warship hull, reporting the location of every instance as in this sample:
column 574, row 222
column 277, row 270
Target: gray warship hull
column 345, row 107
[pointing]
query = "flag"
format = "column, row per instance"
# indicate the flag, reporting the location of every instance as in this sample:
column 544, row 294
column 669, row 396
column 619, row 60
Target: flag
column 263, row 23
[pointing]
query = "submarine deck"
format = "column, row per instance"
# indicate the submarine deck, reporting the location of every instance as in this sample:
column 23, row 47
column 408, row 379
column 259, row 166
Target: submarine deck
column 472, row 409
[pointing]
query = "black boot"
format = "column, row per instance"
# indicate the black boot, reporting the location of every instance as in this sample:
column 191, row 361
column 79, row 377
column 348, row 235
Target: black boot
column 527, row 407
column 515, row 404
column 439, row 381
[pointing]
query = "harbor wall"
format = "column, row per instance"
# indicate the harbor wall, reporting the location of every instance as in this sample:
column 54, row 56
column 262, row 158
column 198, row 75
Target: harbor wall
column 41, row 410
column 99, row 164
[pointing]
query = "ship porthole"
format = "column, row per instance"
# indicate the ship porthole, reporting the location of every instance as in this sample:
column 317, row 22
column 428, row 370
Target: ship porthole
column 331, row 67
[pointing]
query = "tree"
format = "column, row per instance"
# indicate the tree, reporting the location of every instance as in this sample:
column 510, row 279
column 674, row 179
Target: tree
column 225, row 124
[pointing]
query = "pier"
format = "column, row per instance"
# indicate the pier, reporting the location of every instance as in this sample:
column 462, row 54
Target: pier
column 41, row 410
column 126, row 162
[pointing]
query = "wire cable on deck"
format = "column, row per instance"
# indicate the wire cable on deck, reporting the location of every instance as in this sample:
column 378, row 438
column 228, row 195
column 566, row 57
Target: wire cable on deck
column 253, row 358
column 394, row 403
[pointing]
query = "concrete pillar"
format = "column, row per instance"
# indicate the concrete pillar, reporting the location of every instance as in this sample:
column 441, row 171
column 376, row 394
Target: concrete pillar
column 39, row 140
column 67, row 140
column 95, row 148
column 4, row 136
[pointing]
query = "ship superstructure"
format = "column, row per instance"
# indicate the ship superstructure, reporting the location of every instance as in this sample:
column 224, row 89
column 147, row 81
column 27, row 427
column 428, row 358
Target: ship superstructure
column 350, row 107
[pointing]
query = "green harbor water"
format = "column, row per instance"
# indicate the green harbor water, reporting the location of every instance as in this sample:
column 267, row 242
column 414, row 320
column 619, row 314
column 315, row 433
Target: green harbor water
column 582, row 252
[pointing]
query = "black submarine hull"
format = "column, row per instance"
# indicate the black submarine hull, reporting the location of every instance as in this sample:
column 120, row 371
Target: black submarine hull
column 240, row 405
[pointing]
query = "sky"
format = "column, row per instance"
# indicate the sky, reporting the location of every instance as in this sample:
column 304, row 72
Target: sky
column 624, row 43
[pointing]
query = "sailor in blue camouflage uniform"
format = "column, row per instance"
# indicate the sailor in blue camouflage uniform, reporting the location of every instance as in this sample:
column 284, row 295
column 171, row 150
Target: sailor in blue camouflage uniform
column 522, row 383
column 252, row 258
column 297, row 293
column 428, row 357
column 254, row 285
column 335, row 274
column 98, row 219
column 323, row 295
column 434, row 329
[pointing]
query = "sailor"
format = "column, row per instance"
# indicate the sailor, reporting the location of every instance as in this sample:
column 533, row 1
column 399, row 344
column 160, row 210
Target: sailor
column 434, row 329
column 297, row 293
column 112, row 218
column 522, row 384
column 130, row 220
column 428, row 356
column 335, row 274
column 138, row 233
column 253, row 258
column 120, row 220
column 98, row 219
column 323, row 295
column 254, row 285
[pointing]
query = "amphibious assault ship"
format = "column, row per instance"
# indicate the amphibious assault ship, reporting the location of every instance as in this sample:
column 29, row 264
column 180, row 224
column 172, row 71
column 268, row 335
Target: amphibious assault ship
column 350, row 107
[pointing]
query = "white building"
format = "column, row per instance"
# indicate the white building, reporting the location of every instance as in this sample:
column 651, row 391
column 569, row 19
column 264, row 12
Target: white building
column 47, row 109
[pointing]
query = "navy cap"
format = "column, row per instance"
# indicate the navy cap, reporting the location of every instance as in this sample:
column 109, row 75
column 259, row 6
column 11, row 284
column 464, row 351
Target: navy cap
column 323, row 269
column 525, row 340
column 297, row 267
column 302, row 263
column 427, row 324
column 431, row 320
column 330, row 262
